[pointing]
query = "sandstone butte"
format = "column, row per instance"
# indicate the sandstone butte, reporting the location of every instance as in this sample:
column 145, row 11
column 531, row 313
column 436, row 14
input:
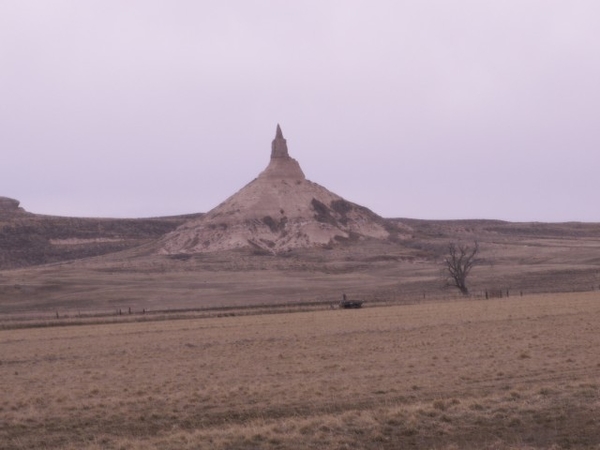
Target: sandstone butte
column 278, row 211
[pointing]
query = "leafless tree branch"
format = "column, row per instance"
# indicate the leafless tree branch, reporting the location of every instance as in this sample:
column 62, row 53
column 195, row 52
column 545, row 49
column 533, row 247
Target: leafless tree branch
column 458, row 263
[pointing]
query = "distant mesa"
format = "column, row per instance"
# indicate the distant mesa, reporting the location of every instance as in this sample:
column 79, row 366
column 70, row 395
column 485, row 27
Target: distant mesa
column 9, row 205
column 278, row 211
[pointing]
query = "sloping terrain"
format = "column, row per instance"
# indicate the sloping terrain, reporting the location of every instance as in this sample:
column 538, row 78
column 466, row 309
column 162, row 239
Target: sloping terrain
column 528, row 258
column 29, row 239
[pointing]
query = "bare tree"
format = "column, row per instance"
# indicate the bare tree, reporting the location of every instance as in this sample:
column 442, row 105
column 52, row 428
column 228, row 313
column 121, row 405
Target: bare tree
column 458, row 263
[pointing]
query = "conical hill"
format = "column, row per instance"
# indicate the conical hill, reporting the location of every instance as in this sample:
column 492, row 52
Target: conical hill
column 278, row 211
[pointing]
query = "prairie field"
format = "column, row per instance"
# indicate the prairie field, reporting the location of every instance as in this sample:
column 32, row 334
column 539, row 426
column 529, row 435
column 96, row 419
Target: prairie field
column 518, row 373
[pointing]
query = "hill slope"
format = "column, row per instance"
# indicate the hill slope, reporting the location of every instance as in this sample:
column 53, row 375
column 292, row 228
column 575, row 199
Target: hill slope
column 29, row 239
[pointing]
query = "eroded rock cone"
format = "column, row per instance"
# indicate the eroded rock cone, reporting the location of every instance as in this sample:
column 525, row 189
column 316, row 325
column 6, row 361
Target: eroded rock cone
column 278, row 211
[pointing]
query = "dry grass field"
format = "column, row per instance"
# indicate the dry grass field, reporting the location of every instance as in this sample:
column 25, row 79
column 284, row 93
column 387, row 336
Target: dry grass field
column 528, row 258
column 519, row 373
column 374, row 271
column 239, row 350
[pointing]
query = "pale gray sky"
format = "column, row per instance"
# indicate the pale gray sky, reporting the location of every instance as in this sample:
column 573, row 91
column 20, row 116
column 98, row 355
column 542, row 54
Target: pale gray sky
column 430, row 109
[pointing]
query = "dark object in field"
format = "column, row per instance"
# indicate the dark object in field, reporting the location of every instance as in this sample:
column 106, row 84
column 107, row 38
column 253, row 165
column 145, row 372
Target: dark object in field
column 350, row 304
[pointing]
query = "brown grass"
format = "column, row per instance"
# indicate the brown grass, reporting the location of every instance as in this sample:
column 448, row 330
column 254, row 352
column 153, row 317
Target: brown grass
column 371, row 271
column 505, row 373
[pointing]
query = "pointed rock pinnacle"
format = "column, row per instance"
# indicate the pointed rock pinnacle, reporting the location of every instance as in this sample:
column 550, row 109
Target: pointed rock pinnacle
column 281, row 166
column 279, row 145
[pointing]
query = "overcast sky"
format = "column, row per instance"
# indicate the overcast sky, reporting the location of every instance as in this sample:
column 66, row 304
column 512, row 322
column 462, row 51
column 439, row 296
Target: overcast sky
column 425, row 109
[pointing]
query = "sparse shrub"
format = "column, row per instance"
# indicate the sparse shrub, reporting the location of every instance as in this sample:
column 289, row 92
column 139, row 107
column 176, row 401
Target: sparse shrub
column 514, row 395
column 545, row 391
column 440, row 404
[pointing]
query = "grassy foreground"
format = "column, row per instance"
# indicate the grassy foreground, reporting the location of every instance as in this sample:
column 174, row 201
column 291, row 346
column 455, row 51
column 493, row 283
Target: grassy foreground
column 506, row 373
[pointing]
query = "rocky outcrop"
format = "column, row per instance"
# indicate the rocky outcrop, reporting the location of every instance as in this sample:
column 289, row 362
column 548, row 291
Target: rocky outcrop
column 9, row 205
column 278, row 211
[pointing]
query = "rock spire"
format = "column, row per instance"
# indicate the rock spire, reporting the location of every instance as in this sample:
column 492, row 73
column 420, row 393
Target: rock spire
column 282, row 166
column 279, row 145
